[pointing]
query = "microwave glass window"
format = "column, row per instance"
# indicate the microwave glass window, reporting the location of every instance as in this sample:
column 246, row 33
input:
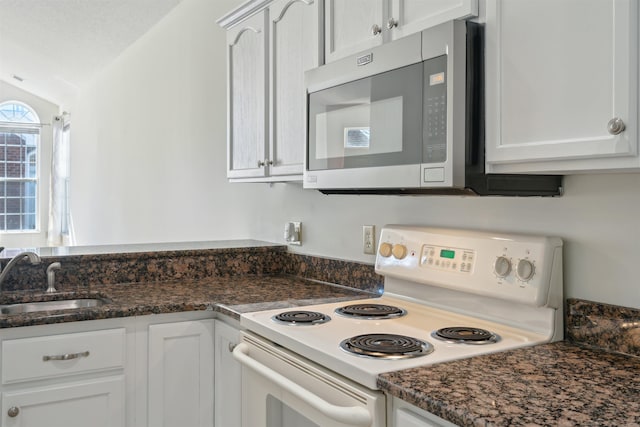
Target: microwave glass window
column 374, row 121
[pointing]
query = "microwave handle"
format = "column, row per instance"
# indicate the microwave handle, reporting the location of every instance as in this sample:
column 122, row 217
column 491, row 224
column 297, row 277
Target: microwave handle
column 353, row 416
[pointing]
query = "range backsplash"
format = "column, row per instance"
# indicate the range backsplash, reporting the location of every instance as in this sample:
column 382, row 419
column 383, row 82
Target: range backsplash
column 605, row 326
column 81, row 271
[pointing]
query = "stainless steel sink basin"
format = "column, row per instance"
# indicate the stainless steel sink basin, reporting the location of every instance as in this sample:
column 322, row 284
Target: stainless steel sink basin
column 67, row 304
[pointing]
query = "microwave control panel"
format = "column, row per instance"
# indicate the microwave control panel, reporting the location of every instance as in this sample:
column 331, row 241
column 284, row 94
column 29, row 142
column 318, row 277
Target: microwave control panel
column 435, row 110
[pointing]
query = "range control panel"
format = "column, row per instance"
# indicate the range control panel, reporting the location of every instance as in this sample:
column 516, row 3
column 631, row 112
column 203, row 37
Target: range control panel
column 521, row 268
column 448, row 259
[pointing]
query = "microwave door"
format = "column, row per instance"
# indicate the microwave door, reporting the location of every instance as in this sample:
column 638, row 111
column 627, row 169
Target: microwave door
column 362, row 131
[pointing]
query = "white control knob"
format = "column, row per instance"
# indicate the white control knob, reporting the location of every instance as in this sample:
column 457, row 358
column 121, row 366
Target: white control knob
column 502, row 266
column 399, row 251
column 385, row 249
column 525, row 270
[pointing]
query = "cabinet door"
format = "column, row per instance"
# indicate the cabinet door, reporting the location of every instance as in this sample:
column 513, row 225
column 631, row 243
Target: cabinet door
column 554, row 82
column 228, row 383
column 247, row 121
column 98, row 403
column 295, row 48
column 181, row 374
column 348, row 26
column 411, row 16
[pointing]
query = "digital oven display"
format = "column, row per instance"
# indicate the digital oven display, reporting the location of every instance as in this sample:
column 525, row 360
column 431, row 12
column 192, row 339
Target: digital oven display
column 447, row 253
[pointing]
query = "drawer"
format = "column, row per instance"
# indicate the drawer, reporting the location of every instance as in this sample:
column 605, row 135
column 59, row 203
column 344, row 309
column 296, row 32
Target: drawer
column 59, row 355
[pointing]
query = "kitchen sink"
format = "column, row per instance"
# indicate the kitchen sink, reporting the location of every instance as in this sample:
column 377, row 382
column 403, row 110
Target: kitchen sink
column 66, row 304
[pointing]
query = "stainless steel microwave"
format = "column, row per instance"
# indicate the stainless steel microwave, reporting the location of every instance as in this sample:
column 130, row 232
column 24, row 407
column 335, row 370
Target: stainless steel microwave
column 407, row 117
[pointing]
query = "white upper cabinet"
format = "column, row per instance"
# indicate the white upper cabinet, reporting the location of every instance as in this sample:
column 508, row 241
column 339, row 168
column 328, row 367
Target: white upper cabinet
column 561, row 85
column 270, row 46
column 247, row 86
column 355, row 25
column 410, row 16
column 294, row 48
column 350, row 26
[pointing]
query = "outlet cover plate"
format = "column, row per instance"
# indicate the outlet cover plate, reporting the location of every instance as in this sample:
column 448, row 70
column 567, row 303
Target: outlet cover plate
column 369, row 239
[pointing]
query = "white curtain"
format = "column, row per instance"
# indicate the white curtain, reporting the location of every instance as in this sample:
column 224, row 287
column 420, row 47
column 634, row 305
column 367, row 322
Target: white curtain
column 59, row 230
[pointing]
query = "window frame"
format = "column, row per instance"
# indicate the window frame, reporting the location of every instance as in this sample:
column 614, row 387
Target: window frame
column 31, row 127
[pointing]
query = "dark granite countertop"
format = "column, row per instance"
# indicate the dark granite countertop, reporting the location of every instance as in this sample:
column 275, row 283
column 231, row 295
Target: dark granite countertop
column 228, row 295
column 557, row 384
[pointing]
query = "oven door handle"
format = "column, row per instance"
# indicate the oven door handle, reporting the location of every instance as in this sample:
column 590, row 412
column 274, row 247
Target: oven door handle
column 349, row 415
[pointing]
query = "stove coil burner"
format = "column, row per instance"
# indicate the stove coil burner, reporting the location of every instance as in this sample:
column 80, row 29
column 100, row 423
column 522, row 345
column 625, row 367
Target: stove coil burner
column 465, row 335
column 371, row 311
column 386, row 346
column 301, row 317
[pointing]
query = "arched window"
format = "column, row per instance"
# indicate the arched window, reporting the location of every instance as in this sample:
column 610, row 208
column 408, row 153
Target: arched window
column 19, row 146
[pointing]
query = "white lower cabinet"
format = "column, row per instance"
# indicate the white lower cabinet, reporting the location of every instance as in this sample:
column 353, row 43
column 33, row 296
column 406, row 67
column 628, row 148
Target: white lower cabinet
column 97, row 402
column 64, row 375
column 145, row 371
column 403, row 414
column 180, row 374
column 228, row 380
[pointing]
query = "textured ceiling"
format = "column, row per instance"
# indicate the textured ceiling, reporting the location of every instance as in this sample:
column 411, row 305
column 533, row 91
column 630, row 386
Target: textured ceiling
column 55, row 46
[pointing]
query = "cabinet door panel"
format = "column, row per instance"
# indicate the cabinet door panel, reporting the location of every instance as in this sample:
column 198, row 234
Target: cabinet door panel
column 416, row 15
column 228, row 384
column 295, row 48
column 554, row 80
column 348, row 26
column 247, row 127
column 181, row 374
column 98, row 403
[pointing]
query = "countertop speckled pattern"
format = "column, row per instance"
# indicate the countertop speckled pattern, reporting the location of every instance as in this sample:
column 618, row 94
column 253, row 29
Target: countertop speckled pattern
column 228, row 295
column 592, row 379
column 557, row 384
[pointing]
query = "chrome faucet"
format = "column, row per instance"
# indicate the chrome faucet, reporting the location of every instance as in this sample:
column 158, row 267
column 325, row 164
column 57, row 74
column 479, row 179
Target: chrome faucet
column 33, row 258
column 51, row 277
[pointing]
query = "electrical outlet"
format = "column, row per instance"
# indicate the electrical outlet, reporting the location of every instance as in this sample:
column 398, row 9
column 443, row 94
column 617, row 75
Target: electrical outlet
column 369, row 239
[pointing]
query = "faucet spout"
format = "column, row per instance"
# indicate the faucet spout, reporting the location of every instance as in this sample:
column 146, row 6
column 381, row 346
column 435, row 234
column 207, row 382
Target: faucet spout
column 33, row 258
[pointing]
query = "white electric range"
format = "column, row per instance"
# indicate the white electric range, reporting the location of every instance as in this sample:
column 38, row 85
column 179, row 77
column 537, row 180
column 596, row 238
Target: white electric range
column 448, row 294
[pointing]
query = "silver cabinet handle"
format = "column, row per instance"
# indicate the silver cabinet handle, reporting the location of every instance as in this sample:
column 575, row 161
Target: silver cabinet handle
column 262, row 163
column 232, row 346
column 391, row 23
column 375, row 29
column 67, row 356
column 13, row 411
column 615, row 126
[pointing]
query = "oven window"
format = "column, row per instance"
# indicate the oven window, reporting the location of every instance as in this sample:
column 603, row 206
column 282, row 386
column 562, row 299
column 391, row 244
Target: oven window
column 376, row 121
column 281, row 415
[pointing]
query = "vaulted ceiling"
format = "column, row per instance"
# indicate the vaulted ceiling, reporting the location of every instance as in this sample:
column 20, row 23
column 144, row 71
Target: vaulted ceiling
column 53, row 47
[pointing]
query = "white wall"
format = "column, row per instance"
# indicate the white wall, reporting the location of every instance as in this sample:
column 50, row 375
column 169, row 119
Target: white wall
column 148, row 149
column 598, row 218
column 149, row 165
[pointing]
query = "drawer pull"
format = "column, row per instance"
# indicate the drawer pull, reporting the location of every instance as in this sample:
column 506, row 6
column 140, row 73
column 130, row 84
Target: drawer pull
column 13, row 411
column 67, row 356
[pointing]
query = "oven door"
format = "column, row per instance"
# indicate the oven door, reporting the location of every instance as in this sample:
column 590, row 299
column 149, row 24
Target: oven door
column 281, row 389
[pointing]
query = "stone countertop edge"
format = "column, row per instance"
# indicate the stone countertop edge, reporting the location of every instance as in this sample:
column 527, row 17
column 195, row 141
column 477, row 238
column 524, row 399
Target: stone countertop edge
column 230, row 296
column 555, row 384
column 145, row 251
